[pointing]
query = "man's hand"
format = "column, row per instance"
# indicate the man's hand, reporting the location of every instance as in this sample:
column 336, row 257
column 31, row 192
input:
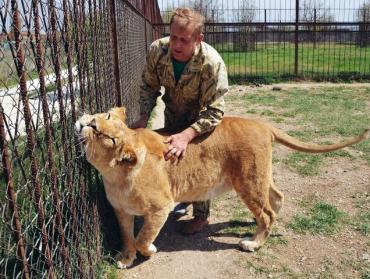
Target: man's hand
column 177, row 143
column 141, row 123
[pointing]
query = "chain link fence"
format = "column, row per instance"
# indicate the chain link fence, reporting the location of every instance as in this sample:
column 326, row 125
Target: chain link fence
column 59, row 59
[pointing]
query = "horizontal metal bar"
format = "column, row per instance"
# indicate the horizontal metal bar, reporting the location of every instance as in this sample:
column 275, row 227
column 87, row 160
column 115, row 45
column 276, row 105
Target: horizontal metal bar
column 238, row 24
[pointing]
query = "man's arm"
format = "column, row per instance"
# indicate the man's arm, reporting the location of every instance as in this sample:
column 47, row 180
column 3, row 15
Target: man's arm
column 150, row 86
column 214, row 87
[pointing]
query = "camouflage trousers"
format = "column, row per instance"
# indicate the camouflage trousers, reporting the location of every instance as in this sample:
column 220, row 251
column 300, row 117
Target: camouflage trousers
column 201, row 209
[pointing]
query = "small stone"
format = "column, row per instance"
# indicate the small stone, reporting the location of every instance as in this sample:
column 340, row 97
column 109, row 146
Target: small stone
column 276, row 88
column 366, row 257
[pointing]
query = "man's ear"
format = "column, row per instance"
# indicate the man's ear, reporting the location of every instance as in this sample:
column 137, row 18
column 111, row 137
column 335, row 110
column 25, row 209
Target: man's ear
column 126, row 156
column 199, row 38
column 120, row 112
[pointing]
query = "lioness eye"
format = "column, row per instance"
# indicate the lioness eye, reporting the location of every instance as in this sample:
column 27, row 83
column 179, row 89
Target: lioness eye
column 108, row 116
column 113, row 140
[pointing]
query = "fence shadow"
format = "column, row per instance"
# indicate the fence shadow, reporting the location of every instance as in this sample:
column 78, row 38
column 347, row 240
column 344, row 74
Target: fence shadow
column 110, row 229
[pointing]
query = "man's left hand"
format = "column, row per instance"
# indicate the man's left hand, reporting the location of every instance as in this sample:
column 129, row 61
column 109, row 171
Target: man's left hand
column 177, row 144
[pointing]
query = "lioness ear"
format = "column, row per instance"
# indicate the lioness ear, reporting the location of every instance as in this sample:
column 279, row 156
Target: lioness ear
column 126, row 156
column 120, row 112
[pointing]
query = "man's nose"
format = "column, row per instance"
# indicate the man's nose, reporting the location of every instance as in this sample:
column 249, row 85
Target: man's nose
column 176, row 44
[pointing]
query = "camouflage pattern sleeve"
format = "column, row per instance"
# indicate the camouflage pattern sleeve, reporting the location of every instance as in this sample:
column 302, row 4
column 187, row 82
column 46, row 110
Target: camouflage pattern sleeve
column 150, row 86
column 214, row 87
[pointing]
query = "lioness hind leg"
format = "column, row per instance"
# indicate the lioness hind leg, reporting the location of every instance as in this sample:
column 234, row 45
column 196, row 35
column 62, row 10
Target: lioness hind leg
column 265, row 217
column 128, row 254
column 276, row 198
column 152, row 225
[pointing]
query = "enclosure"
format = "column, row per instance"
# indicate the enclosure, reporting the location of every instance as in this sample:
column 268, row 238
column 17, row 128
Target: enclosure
column 265, row 41
column 60, row 58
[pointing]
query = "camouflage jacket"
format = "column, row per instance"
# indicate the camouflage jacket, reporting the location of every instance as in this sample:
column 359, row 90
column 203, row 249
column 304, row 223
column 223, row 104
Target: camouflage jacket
column 197, row 99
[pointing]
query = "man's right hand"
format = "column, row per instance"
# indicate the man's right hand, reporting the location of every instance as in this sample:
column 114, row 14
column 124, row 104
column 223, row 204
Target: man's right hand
column 141, row 123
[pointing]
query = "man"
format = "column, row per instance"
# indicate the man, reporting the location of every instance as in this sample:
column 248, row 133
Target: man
column 195, row 80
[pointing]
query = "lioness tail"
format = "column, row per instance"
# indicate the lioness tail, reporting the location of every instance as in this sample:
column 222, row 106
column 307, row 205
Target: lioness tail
column 293, row 143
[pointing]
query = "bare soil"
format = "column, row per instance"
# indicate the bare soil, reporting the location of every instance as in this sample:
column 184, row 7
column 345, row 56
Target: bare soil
column 214, row 253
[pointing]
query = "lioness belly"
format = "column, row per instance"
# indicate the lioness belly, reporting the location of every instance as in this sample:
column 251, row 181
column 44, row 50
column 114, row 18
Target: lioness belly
column 206, row 191
column 224, row 185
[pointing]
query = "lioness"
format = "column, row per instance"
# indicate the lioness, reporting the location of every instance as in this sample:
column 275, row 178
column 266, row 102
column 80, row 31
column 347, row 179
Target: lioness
column 138, row 181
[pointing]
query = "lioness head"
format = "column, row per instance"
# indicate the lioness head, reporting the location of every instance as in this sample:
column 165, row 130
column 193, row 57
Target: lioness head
column 104, row 138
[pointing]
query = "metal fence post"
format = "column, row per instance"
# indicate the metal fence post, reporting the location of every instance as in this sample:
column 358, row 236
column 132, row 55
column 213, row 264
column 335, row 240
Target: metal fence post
column 296, row 38
column 31, row 143
column 314, row 28
column 114, row 40
column 12, row 199
column 145, row 34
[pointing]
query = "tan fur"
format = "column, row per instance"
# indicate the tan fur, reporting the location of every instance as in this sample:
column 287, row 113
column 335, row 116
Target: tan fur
column 138, row 181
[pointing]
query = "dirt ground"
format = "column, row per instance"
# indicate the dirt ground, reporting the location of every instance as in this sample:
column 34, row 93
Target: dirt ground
column 214, row 253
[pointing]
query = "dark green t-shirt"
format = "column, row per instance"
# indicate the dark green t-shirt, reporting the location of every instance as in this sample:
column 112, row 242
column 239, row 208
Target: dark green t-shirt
column 178, row 68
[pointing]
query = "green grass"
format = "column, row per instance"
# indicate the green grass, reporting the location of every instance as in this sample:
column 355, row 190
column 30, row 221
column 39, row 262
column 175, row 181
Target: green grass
column 258, row 268
column 107, row 271
column 323, row 218
column 267, row 64
column 275, row 62
column 364, row 223
column 361, row 222
column 361, row 266
column 304, row 164
column 51, row 87
column 309, row 164
column 240, row 213
column 260, row 263
column 8, row 73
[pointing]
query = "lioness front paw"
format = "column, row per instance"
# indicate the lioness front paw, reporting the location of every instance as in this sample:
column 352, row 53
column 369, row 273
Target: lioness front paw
column 249, row 245
column 125, row 259
column 148, row 251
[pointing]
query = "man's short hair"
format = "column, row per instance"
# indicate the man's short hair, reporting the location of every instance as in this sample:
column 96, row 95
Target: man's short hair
column 186, row 16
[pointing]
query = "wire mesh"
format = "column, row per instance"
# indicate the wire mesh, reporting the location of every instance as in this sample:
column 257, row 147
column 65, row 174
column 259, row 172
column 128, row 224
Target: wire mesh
column 59, row 59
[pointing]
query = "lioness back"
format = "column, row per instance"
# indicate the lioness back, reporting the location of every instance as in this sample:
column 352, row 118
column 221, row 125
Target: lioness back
column 211, row 159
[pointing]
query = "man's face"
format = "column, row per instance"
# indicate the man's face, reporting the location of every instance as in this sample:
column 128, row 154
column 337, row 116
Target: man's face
column 183, row 41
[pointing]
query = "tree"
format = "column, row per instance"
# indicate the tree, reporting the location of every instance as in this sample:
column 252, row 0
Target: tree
column 247, row 12
column 364, row 26
column 212, row 14
column 245, row 40
column 208, row 8
column 314, row 11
